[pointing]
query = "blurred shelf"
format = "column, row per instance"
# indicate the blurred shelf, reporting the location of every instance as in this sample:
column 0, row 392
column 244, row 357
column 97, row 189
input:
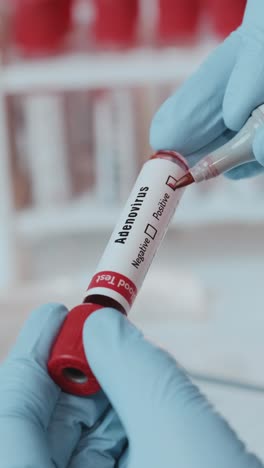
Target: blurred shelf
column 93, row 71
column 83, row 215
column 219, row 209
column 87, row 215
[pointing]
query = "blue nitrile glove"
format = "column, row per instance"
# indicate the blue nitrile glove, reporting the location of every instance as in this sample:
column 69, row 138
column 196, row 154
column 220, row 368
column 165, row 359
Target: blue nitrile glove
column 41, row 427
column 218, row 98
column 168, row 422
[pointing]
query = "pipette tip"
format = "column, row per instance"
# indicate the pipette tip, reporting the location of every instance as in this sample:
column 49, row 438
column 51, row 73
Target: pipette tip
column 185, row 180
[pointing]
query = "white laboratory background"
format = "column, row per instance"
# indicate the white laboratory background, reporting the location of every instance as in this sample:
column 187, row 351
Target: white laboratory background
column 74, row 122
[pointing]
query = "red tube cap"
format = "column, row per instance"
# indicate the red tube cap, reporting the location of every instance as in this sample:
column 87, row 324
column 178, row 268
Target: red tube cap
column 68, row 366
column 116, row 23
column 40, row 26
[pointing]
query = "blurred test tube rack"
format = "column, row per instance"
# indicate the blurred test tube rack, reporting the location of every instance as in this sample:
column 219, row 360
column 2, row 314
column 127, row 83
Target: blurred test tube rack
column 107, row 81
column 25, row 81
column 221, row 202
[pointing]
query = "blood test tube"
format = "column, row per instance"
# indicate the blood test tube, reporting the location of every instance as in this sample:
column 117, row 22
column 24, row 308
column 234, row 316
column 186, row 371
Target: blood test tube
column 115, row 23
column 177, row 20
column 123, row 267
column 40, row 26
column 225, row 16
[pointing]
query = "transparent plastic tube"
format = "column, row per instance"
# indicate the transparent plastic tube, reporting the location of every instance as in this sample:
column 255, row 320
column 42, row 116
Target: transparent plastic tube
column 123, row 267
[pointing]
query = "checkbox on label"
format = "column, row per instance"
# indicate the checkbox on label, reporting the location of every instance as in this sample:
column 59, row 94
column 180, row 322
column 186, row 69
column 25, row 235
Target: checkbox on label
column 171, row 182
column 151, row 231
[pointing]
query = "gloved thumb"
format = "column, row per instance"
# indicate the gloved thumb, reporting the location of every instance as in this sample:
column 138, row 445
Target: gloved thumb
column 163, row 413
column 245, row 90
column 255, row 167
column 135, row 375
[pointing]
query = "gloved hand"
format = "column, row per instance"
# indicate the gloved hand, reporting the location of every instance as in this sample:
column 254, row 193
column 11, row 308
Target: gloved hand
column 217, row 100
column 167, row 420
column 41, row 427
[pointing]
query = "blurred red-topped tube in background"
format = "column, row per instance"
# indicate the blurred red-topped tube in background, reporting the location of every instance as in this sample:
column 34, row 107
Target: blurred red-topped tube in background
column 116, row 23
column 177, row 20
column 40, row 26
column 225, row 15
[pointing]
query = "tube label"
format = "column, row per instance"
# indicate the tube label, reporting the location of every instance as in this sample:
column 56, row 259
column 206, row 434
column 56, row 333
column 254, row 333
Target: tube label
column 116, row 282
column 139, row 232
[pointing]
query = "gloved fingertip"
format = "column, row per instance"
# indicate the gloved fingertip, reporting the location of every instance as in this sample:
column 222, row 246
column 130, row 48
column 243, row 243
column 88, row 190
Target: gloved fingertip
column 258, row 146
column 244, row 171
column 48, row 316
column 161, row 134
column 233, row 174
column 26, row 367
column 112, row 343
column 177, row 121
column 244, row 91
column 40, row 330
column 156, row 138
column 102, row 330
column 234, row 114
column 239, row 99
column 52, row 311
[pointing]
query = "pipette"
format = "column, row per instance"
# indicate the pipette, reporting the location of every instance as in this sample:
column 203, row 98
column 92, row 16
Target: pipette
column 234, row 153
column 123, row 267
